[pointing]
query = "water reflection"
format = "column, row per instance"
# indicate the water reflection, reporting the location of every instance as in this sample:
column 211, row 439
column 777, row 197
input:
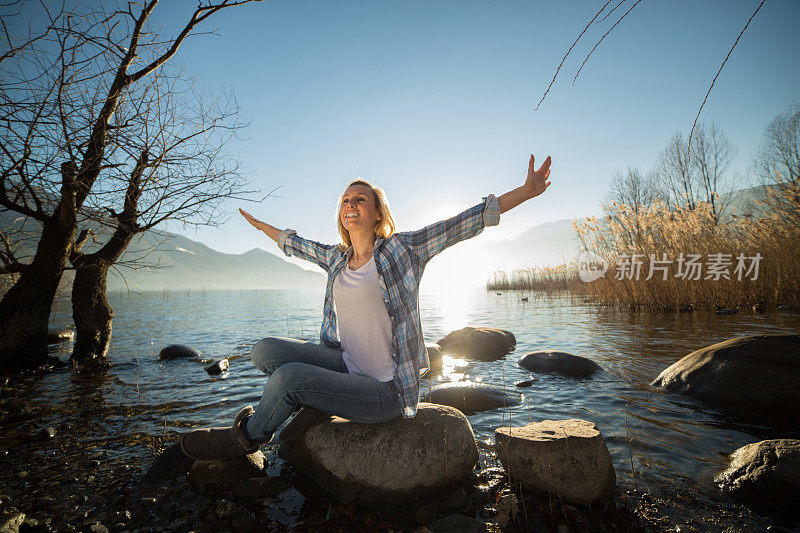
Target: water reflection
column 672, row 444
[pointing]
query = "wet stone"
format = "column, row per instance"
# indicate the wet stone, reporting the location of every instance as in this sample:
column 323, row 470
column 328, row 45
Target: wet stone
column 47, row 433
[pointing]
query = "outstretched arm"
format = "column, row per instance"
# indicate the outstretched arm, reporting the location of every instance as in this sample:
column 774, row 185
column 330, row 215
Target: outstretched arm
column 535, row 184
column 292, row 244
column 272, row 232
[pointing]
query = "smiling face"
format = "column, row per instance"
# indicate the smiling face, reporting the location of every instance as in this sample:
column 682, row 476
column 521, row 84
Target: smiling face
column 358, row 211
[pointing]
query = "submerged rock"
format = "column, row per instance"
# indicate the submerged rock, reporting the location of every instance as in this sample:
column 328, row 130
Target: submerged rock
column 174, row 351
column 563, row 363
column 390, row 462
column 485, row 344
column 218, row 367
column 469, row 397
column 757, row 373
column 59, row 335
column 764, row 474
column 566, row 458
column 225, row 473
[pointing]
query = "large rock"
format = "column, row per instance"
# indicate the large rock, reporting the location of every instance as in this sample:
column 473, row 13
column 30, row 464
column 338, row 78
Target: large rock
column 485, row 344
column 764, row 474
column 225, row 473
column 568, row 458
column 469, row 397
column 564, row 363
column 174, row 351
column 387, row 463
column 757, row 373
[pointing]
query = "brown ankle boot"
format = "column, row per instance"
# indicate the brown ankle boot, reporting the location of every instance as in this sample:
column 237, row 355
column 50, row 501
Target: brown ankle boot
column 216, row 443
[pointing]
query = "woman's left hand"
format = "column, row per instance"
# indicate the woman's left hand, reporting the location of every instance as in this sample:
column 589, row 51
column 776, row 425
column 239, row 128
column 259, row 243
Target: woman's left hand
column 537, row 180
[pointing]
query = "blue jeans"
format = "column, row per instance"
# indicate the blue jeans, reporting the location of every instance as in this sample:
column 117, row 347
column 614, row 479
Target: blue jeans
column 304, row 373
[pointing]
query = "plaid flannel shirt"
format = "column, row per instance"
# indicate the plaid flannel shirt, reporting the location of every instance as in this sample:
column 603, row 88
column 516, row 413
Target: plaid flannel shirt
column 400, row 261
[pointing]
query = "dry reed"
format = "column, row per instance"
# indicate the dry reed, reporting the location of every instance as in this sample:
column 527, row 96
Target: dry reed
column 659, row 233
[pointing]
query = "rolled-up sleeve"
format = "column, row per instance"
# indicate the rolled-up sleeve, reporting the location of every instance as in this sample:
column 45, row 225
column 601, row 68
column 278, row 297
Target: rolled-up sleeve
column 292, row 244
column 282, row 236
column 491, row 211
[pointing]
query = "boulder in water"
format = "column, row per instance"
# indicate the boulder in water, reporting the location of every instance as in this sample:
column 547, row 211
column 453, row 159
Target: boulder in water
column 175, row 351
column 563, row 363
column 764, row 474
column 566, row 458
column 485, row 344
column 390, row 462
column 218, row 367
column 756, row 373
column 469, row 397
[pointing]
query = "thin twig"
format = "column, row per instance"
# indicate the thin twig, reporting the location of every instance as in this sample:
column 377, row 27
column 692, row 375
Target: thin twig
column 568, row 52
column 601, row 40
column 694, row 124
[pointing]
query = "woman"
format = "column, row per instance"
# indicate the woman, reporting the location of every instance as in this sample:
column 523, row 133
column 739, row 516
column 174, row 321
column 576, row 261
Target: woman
column 370, row 371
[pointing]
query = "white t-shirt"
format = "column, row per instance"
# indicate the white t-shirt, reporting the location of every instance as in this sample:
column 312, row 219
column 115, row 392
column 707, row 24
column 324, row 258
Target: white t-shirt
column 365, row 330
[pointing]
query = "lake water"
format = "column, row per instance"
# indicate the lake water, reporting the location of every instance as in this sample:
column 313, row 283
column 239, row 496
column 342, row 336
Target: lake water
column 674, row 443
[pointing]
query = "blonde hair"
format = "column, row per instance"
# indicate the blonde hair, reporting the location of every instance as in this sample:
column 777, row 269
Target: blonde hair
column 384, row 228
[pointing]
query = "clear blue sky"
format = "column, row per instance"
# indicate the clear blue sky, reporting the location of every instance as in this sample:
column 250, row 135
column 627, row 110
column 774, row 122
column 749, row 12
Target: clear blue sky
column 434, row 101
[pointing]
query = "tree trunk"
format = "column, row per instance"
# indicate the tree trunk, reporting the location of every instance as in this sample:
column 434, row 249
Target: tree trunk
column 91, row 311
column 25, row 309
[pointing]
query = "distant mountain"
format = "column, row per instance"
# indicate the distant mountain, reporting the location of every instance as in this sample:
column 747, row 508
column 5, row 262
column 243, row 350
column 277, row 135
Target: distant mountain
column 186, row 264
column 161, row 260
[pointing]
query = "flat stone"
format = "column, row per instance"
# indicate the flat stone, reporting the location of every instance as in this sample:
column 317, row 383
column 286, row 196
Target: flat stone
column 568, row 458
column 564, row 363
column 764, row 474
column 387, row 463
column 225, row 473
column 470, row 397
column 484, row 344
column 755, row 373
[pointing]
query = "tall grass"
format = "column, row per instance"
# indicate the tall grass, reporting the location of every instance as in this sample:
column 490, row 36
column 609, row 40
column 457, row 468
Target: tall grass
column 668, row 233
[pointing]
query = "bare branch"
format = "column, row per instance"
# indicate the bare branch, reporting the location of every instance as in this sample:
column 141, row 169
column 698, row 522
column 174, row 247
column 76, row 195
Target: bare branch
column 570, row 50
column 691, row 133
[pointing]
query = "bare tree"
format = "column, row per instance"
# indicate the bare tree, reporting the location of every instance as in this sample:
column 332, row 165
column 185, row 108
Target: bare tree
column 675, row 174
column 636, row 192
column 777, row 166
column 711, row 156
column 778, row 157
column 688, row 177
column 171, row 166
column 63, row 108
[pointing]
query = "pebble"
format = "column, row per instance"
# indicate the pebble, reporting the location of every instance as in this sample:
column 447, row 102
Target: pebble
column 46, row 433
column 525, row 383
column 90, row 479
column 98, row 528
column 23, row 474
